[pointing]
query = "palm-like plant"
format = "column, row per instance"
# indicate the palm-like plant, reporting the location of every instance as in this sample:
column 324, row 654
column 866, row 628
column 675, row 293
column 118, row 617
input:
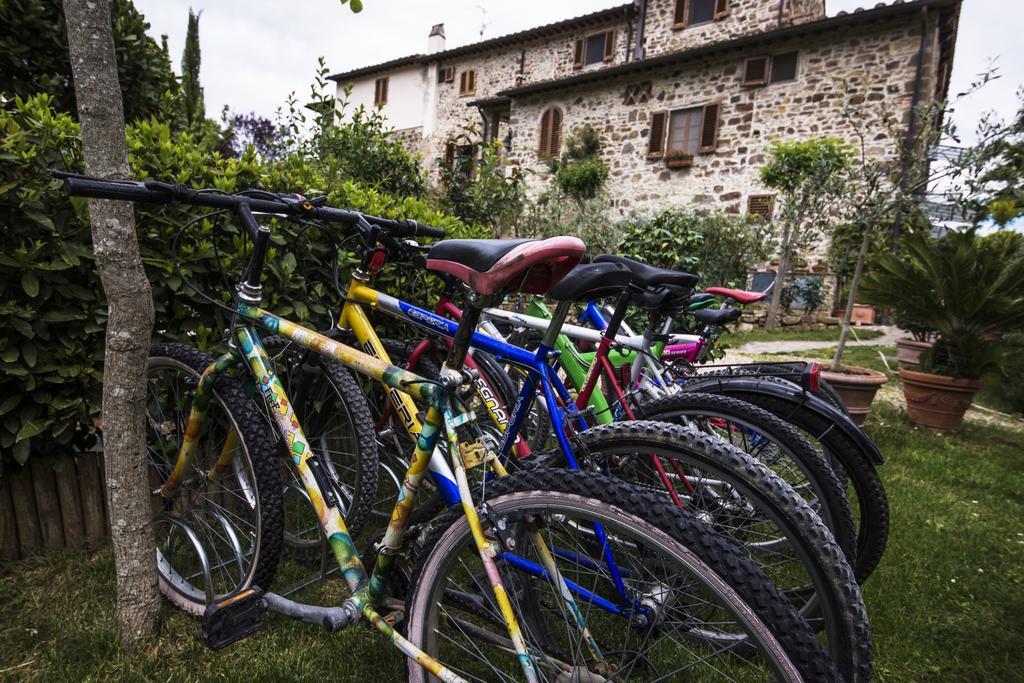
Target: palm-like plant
column 966, row 292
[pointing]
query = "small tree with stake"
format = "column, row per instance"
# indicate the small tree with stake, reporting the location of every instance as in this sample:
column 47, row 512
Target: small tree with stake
column 810, row 179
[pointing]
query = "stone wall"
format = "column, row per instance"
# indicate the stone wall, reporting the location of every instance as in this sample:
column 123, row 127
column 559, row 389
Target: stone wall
column 878, row 59
column 744, row 17
column 540, row 59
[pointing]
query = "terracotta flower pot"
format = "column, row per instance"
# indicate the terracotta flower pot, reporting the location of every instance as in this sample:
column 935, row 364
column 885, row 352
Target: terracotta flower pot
column 908, row 352
column 936, row 401
column 681, row 162
column 863, row 314
column 857, row 387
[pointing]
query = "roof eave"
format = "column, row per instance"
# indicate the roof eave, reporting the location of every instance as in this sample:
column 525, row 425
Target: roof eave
column 838, row 21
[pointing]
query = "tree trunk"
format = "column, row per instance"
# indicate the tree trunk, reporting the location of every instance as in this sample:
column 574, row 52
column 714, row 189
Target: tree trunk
column 785, row 259
column 130, row 321
column 854, row 285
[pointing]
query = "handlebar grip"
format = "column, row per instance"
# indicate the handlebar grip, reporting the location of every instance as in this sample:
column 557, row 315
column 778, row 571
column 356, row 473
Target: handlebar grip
column 100, row 188
column 424, row 230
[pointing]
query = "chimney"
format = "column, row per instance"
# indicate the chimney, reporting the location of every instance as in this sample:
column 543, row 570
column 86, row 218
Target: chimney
column 435, row 42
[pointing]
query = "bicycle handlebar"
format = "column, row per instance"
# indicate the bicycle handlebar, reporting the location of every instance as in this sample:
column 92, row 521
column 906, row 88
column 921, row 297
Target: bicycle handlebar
column 157, row 192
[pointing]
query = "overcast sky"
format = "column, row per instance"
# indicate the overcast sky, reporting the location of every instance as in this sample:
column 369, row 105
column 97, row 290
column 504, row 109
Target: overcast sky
column 254, row 52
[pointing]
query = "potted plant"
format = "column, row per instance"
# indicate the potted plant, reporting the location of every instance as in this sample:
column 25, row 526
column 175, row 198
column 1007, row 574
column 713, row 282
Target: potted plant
column 678, row 160
column 964, row 293
column 909, row 349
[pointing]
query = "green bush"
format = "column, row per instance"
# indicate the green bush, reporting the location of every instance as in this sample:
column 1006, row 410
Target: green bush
column 51, row 348
column 581, row 180
column 719, row 247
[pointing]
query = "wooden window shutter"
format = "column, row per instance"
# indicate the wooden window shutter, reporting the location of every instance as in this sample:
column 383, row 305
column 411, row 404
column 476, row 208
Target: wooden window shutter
column 609, row 46
column 755, row 71
column 577, row 61
column 384, row 93
column 760, row 206
column 656, row 144
column 472, row 81
column 555, row 145
column 721, row 8
column 545, row 134
column 709, row 127
column 449, row 154
column 550, row 134
column 680, row 15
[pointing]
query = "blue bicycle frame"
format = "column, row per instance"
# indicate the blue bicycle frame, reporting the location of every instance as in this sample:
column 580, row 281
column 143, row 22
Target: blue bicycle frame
column 540, row 374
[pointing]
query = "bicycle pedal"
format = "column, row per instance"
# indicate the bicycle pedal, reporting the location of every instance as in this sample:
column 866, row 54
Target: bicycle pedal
column 233, row 618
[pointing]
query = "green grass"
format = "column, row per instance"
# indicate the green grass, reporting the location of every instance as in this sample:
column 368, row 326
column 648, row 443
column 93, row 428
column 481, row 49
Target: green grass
column 737, row 339
column 862, row 356
column 946, row 603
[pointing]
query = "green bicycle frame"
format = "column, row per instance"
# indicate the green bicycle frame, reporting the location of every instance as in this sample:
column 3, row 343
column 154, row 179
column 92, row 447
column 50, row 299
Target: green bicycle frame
column 366, row 589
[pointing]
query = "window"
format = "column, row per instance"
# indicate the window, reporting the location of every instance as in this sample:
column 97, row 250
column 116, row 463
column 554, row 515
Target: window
column 550, row 134
column 445, row 74
column 760, row 206
column 755, row 71
column 684, row 130
column 467, row 83
column 637, row 93
column 687, row 131
column 693, row 12
column 775, row 69
column 460, row 158
column 380, row 92
column 784, row 67
column 594, row 49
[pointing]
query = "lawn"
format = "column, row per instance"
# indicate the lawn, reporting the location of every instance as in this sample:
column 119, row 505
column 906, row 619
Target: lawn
column 946, row 604
column 829, row 334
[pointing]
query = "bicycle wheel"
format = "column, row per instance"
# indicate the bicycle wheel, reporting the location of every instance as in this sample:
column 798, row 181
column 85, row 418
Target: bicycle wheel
column 214, row 535
column 864, row 489
column 753, row 508
column 773, row 442
column 335, row 418
column 679, row 582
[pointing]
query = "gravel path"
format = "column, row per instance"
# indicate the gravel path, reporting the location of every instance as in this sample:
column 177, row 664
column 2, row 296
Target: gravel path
column 888, row 338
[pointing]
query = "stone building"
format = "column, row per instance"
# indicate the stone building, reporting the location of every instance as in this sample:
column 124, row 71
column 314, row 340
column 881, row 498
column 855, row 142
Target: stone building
column 686, row 93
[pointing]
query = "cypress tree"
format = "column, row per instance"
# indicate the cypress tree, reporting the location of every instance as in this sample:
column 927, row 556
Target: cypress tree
column 190, row 88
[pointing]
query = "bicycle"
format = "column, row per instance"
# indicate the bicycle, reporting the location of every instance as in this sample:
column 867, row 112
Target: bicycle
column 695, row 574
column 740, row 497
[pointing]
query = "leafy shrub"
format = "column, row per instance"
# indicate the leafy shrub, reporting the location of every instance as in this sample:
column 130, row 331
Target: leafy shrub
column 484, row 194
column 581, row 180
column 51, row 348
column 580, row 174
column 720, row 247
column 965, row 291
column 34, row 59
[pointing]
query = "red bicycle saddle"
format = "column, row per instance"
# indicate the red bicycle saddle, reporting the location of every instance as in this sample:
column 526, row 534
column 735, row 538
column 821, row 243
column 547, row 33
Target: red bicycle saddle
column 740, row 295
column 505, row 266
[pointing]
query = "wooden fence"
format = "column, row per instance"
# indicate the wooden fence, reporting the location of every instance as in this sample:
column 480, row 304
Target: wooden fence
column 52, row 502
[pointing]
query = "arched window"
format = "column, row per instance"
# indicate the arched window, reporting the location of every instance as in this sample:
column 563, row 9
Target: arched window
column 550, row 133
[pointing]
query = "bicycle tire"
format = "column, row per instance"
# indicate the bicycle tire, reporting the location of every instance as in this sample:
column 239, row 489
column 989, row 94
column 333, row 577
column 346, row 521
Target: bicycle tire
column 836, row 605
column 335, row 418
column 711, row 563
column 259, row 487
column 871, row 506
column 830, row 501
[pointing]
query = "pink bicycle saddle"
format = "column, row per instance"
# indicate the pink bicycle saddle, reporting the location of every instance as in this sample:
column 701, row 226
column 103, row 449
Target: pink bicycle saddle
column 740, row 295
column 504, row 266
